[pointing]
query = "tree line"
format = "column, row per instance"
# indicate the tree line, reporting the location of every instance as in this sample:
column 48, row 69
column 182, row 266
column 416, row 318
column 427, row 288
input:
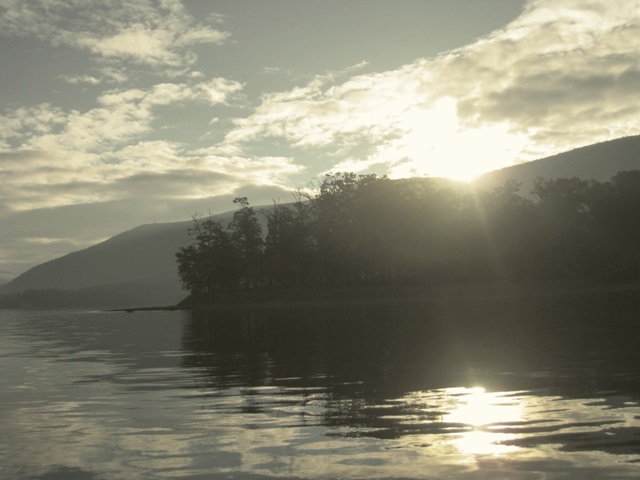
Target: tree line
column 365, row 230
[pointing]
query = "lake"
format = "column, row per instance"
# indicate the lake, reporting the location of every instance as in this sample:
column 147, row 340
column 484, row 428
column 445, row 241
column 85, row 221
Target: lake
column 528, row 387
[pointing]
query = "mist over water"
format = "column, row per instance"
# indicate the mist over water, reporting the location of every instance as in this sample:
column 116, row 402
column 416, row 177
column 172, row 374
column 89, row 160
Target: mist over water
column 518, row 388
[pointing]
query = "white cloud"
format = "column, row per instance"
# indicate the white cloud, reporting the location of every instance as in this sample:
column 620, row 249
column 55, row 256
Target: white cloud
column 213, row 92
column 218, row 90
column 146, row 170
column 80, row 79
column 136, row 42
column 565, row 67
column 324, row 113
column 198, row 35
column 157, row 33
column 122, row 115
column 105, row 75
column 564, row 74
column 38, row 120
column 51, row 157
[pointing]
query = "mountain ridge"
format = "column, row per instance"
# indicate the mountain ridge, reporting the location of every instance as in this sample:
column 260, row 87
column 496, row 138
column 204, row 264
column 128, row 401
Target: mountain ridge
column 599, row 161
column 84, row 268
column 143, row 258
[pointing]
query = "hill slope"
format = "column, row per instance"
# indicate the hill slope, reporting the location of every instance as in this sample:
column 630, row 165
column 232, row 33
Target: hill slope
column 141, row 253
column 138, row 258
column 134, row 268
column 599, row 162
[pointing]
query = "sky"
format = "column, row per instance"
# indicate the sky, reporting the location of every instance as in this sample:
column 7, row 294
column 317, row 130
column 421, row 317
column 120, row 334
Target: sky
column 118, row 113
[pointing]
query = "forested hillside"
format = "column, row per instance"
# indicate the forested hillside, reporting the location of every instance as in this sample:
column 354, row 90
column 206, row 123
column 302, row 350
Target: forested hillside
column 364, row 230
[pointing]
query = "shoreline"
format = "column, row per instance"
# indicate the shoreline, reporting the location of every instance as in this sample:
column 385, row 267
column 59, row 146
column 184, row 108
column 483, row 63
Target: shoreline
column 384, row 295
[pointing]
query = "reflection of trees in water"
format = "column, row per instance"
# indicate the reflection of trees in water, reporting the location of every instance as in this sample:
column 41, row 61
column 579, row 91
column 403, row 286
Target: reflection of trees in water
column 338, row 348
column 354, row 365
column 381, row 349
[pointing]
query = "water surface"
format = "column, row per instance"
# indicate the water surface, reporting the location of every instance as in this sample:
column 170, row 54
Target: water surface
column 524, row 388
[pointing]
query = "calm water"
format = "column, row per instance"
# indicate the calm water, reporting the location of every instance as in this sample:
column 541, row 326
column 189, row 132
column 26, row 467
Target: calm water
column 496, row 389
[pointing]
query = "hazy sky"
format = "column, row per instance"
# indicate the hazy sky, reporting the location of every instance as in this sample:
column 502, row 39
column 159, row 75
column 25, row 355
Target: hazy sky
column 119, row 113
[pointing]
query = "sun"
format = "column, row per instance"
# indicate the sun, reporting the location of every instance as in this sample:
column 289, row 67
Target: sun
column 437, row 143
column 472, row 152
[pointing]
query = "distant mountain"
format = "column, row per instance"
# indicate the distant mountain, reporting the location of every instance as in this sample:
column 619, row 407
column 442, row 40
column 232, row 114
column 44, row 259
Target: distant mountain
column 134, row 268
column 130, row 261
column 599, row 162
column 138, row 267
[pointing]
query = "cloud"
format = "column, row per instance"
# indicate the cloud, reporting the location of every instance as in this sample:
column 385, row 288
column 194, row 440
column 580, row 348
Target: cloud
column 561, row 75
column 213, row 92
column 565, row 67
column 40, row 119
column 121, row 115
column 105, row 75
column 156, row 33
column 160, row 170
column 326, row 113
column 52, row 157
column 81, row 79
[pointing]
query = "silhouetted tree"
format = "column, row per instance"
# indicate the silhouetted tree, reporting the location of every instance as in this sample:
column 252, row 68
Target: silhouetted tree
column 563, row 218
column 614, row 211
column 210, row 265
column 340, row 211
column 191, row 270
column 508, row 228
column 290, row 246
column 245, row 234
column 368, row 230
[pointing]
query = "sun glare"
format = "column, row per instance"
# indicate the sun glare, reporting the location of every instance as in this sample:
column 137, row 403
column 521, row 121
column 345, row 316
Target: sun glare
column 438, row 144
column 472, row 152
column 481, row 410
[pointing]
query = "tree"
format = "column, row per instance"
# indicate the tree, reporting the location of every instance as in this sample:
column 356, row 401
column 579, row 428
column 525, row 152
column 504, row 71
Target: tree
column 508, row 229
column 190, row 270
column 290, row 245
column 566, row 241
column 339, row 213
column 614, row 211
column 362, row 230
column 209, row 265
column 246, row 236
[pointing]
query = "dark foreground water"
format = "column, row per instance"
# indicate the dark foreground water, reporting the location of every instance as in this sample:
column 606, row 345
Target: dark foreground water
column 529, row 388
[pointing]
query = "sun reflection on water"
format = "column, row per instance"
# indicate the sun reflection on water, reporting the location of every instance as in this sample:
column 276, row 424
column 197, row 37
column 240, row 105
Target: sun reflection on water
column 486, row 415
